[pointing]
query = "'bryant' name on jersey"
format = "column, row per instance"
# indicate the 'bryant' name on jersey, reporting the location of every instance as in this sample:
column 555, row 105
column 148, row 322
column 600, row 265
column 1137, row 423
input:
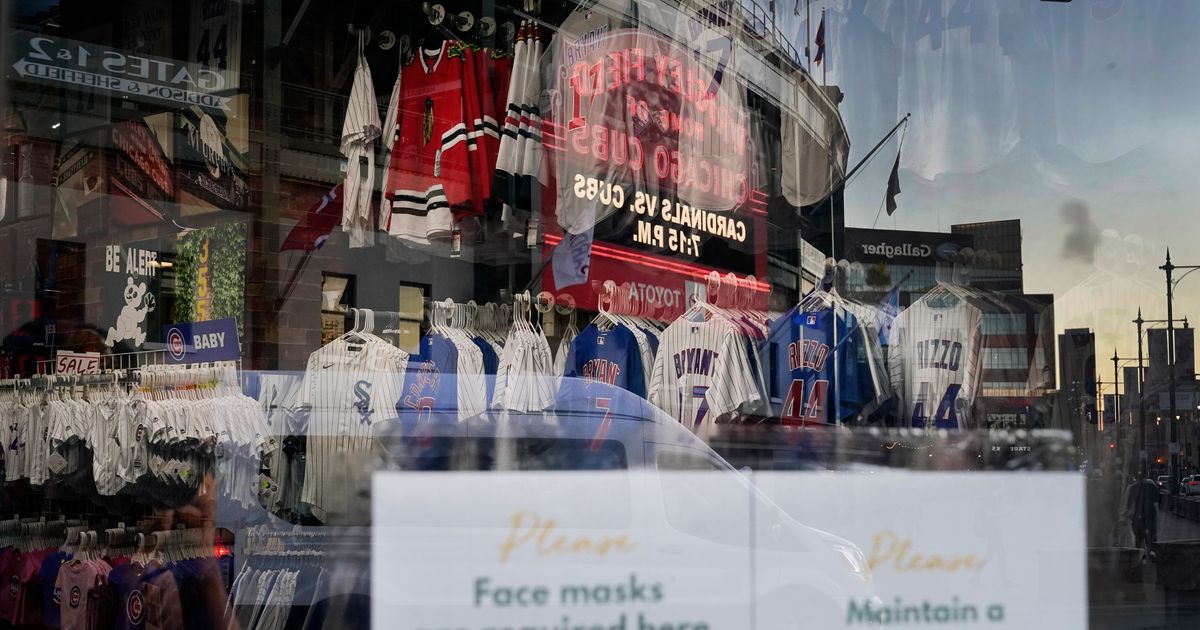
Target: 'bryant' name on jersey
column 671, row 211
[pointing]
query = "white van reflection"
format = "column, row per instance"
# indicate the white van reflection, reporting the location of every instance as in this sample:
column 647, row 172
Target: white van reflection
column 794, row 571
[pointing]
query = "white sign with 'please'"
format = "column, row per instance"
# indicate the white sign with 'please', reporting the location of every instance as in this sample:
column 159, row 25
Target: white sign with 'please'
column 646, row 549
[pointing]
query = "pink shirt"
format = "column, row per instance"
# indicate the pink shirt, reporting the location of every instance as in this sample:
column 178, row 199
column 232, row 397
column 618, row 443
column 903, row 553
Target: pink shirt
column 76, row 580
column 27, row 600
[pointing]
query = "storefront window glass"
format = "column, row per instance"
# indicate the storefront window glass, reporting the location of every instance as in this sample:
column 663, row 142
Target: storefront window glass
column 603, row 313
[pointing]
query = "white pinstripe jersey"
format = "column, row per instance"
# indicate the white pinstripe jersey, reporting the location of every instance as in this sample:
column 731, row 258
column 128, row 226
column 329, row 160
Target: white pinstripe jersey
column 359, row 131
column 133, row 438
column 348, row 391
column 105, row 453
column 702, row 372
column 38, row 446
column 934, row 364
column 14, row 452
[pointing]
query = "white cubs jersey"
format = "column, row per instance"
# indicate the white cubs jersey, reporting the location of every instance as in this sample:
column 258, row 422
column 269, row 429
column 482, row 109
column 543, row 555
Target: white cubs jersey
column 37, row 450
column 348, row 389
column 935, row 366
column 105, row 452
column 702, row 371
column 133, row 439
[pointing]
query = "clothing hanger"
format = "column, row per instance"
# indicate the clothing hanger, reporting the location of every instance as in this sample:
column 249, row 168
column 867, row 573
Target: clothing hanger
column 705, row 306
column 544, row 304
column 604, row 319
column 354, row 338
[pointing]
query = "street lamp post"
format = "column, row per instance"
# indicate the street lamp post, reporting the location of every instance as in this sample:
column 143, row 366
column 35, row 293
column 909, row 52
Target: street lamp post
column 1116, row 414
column 1116, row 390
column 1142, row 384
column 1169, row 269
column 1141, row 401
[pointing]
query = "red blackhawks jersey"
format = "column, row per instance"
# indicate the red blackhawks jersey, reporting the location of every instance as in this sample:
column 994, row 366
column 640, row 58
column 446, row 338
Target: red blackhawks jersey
column 432, row 174
column 492, row 70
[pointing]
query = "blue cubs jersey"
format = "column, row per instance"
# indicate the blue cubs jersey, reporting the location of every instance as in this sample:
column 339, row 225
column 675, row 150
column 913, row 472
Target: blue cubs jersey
column 813, row 367
column 598, row 362
column 430, row 386
column 491, row 363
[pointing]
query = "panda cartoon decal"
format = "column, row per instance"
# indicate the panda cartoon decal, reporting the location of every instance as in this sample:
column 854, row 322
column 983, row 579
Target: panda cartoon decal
column 138, row 304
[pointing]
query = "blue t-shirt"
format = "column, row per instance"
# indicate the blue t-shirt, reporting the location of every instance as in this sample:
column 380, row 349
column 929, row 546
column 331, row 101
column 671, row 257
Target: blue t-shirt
column 491, row 364
column 126, row 581
column 799, row 357
column 430, row 385
column 597, row 363
column 51, row 597
column 652, row 339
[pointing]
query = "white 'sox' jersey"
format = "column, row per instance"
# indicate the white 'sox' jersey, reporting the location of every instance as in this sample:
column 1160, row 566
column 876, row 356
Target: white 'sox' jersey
column 348, row 390
column 702, row 371
column 935, row 366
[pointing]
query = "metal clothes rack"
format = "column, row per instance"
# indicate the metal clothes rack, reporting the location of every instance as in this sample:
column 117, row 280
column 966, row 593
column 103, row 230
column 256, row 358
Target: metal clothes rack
column 116, row 361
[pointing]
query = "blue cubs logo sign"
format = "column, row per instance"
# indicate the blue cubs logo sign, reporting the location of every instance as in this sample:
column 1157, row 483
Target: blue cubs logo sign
column 176, row 345
column 75, row 597
column 134, row 607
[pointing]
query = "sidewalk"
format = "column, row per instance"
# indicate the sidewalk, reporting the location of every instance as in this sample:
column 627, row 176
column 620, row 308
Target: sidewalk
column 1140, row 604
column 1171, row 527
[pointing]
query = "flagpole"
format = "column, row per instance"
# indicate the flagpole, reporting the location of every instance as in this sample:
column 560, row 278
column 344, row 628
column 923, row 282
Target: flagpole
column 824, row 54
column 290, row 285
column 875, row 150
column 808, row 35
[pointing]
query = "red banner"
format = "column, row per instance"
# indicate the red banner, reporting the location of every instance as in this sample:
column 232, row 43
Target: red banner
column 658, row 285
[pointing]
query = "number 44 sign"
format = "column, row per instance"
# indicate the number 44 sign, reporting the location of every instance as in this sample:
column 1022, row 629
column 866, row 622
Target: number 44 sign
column 77, row 362
column 216, row 38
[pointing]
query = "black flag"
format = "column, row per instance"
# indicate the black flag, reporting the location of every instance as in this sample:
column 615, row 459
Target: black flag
column 820, row 41
column 893, row 187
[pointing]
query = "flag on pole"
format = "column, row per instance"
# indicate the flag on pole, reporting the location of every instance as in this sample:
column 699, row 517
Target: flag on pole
column 888, row 308
column 313, row 229
column 893, row 187
column 572, row 259
column 819, row 41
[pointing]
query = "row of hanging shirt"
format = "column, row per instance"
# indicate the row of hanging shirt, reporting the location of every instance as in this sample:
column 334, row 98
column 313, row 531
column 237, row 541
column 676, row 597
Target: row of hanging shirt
column 153, row 442
column 825, row 362
column 358, row 380
column 446, row 158
column 469, row 125
column 303, row 579
column 450, row 374
column 124, row 580
column 702, row 366
column 816, row 364
column 819, row 363
column 615, row 350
